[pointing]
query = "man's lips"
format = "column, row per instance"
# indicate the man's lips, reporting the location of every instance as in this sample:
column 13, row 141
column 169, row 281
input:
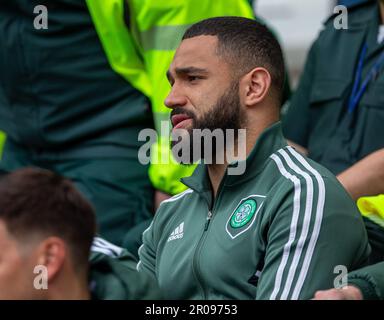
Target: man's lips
column 180, row 120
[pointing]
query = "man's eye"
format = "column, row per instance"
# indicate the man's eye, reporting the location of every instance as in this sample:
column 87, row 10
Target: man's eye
column 192, row 78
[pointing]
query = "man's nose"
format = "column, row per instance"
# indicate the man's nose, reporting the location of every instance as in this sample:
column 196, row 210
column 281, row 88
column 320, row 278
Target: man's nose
column 175, row 99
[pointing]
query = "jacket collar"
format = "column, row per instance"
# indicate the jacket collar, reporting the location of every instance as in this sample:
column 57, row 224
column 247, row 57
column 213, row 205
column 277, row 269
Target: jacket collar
column 269, row 141
column 365, row 17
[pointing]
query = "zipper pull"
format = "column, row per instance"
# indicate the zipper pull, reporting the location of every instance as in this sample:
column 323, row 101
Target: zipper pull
column 209, row 216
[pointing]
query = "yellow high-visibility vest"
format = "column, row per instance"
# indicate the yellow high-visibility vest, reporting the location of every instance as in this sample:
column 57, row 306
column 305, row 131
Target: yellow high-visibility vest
column 2, row 140
column 372, row 208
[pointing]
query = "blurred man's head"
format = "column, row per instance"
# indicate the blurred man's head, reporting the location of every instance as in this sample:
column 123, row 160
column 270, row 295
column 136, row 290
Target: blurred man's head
column 44, row 221
column 227, row 73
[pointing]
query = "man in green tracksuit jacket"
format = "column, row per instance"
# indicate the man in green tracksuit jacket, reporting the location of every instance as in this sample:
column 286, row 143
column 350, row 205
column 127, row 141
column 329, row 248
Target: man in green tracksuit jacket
column 276, row 231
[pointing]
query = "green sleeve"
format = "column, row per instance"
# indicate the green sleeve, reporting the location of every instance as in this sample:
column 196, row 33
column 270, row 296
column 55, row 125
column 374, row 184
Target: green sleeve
column 147, row 252
column 370, row 280
column 308, row 238
column 113, row 275
column 295, row 121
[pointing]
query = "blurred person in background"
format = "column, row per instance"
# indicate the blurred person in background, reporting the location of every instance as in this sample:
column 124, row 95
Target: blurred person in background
column 336, row 113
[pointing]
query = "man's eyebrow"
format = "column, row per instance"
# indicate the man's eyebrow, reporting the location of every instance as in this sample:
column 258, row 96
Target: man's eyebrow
column 186, row 70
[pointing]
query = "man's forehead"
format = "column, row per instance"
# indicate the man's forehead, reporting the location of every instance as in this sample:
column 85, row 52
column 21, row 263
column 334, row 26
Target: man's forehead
column 196, row 51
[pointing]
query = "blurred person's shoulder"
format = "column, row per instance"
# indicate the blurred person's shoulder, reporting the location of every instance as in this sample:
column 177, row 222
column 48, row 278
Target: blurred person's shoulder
column 358, row 16
column 358, row 13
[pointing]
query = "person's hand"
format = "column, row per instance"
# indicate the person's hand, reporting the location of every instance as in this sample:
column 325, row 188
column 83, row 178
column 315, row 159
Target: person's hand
column 345, row 293
column 160, row 197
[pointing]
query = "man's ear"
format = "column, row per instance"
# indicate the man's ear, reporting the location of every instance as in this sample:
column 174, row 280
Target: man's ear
column 52, row 253
column 255, row 86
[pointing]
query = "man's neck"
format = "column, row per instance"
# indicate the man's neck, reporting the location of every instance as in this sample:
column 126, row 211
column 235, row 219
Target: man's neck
column 216, row 174
column 216, row 171
column 69, row 289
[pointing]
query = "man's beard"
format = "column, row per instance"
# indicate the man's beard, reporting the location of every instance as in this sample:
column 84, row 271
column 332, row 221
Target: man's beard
column 224, row 115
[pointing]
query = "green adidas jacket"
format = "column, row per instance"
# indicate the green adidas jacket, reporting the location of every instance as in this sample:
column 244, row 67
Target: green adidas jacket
column 370, row 280
column 276, row 232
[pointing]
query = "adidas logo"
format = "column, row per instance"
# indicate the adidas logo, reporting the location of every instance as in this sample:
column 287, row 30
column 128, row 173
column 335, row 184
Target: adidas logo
column 178, row 233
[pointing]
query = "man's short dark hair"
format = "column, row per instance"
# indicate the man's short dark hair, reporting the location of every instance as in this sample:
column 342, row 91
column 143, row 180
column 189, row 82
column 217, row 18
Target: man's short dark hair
column 37, row 202
column 245, row 44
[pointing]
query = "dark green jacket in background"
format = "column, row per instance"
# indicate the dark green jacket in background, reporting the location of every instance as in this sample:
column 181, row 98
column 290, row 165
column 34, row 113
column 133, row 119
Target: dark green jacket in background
column 57, row 89
column 65, row 109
